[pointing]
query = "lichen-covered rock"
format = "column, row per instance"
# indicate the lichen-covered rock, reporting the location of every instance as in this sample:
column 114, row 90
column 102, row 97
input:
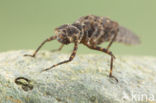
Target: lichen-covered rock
column 84, row 80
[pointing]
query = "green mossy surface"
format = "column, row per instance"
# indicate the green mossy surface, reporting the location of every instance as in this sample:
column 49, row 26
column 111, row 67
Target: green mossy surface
column 84, row 80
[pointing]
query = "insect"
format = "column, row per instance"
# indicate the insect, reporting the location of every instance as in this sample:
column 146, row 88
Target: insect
column 91, row 31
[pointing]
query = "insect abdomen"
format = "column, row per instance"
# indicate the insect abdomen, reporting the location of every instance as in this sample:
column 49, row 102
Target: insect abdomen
column 126, row 36
column 101, row 29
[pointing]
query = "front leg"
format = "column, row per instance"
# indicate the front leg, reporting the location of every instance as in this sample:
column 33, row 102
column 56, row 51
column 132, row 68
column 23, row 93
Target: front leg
column 66, row 61
column 109, row 53
column 47, row 40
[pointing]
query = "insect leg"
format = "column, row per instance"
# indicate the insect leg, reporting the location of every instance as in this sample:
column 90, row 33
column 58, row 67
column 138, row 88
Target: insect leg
column 92, row 36
column 59, row 49
column 99, row 36
column 109, row 53
column 47, row 40
column 115, row 35
column 81, row 36
column 66, row 61
column 87, row 35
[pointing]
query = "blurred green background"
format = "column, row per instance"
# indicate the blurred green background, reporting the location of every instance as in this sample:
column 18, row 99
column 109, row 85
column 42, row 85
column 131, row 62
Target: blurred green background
column 24, row 24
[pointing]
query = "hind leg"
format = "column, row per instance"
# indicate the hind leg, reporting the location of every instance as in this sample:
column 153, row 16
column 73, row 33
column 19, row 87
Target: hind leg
column 109, row 45
column 109, row 53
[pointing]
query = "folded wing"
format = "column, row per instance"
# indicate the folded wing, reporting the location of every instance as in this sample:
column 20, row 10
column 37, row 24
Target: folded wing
column 126, row 36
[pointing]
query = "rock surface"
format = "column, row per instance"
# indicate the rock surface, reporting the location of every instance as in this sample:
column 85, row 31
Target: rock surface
column 84, row 80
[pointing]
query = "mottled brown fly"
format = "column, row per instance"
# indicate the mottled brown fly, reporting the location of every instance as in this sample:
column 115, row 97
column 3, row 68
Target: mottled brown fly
column 91, row 31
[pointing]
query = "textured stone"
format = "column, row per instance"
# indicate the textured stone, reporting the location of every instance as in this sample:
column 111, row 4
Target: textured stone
column 84, row 80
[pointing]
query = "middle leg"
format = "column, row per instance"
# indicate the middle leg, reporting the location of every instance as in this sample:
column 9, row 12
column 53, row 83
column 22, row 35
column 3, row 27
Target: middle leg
column 66, row 61
column 59, row 49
